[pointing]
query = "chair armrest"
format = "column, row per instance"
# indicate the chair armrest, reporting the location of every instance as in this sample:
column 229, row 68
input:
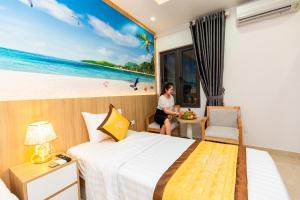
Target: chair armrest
column 203, row 125
column 240, row 124
column 240, row 127
column 149, row 120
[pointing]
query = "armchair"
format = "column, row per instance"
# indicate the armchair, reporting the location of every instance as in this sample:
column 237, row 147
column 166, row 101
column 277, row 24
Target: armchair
column 152, row 126
column 222, row 124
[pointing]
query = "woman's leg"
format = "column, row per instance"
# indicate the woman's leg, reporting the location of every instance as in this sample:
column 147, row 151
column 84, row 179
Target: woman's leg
column 167, row 125
column 163, row 130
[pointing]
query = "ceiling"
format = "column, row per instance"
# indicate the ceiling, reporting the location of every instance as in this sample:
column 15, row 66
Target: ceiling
column 173, row 13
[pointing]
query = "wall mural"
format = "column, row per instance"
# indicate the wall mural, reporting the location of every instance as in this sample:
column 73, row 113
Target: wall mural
column 72, row 48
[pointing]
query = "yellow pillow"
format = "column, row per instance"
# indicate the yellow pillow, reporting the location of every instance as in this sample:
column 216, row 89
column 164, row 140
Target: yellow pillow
column 115, row 124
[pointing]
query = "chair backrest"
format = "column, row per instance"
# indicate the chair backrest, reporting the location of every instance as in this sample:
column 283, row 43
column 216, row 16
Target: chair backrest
column 223, row 116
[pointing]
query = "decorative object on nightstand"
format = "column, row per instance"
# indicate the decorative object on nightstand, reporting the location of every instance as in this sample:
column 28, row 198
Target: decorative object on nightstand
column 40, row 134
column 33, row 182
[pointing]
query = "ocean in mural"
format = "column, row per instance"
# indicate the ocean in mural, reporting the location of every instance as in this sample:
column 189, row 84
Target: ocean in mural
column 73, row 38
column 29, row 62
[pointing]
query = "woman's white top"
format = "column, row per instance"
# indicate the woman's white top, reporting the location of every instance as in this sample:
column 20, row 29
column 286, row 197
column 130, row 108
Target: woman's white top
column 165, row 102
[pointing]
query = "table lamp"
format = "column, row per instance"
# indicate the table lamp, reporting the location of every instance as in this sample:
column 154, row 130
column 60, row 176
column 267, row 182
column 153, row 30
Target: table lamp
column 40, row 134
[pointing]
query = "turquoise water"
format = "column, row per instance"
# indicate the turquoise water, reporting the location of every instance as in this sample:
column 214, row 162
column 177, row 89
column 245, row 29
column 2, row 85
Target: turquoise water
column 28, row 62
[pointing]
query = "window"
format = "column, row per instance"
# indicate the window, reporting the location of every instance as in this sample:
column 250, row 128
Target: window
column 179, row 67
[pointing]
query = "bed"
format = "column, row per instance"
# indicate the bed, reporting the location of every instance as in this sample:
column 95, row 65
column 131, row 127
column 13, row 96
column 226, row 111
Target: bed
column 130, row 169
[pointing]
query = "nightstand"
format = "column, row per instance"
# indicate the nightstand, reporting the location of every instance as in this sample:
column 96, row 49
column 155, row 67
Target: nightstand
column 38, row 181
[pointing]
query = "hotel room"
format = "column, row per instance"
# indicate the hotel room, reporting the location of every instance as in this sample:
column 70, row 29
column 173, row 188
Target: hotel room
column 149, row 99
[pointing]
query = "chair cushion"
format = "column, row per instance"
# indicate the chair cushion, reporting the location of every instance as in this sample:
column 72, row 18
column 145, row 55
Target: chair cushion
column 156, row 125
column 222, row 132
column 223, row 117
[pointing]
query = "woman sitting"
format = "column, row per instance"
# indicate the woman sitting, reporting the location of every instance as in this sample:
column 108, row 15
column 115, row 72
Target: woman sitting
column 164, row 114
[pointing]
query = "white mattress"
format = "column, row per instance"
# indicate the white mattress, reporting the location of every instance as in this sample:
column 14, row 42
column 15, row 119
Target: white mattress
column 130, row 169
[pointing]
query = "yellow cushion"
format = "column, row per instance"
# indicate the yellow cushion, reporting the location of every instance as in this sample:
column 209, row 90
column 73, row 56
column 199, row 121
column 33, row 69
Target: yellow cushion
column 115, row 124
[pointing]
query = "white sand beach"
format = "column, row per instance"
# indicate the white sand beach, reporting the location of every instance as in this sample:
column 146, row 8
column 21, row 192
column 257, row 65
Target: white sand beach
column 15, row 85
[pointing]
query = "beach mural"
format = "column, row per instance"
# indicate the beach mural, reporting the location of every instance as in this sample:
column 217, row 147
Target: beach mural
column 72, row 48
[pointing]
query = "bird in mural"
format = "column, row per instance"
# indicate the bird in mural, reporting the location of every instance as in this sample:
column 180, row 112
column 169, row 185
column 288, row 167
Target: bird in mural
column 76, row 18
column 134, row 85
column 30, row 3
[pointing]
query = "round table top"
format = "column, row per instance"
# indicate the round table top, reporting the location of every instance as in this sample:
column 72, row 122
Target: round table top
column 189, row 121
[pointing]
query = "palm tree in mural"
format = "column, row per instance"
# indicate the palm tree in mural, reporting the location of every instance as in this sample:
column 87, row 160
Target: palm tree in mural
column 147, row 42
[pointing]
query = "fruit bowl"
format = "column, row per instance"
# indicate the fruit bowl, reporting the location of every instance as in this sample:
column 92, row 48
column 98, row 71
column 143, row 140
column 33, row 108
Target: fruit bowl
column 189, row 115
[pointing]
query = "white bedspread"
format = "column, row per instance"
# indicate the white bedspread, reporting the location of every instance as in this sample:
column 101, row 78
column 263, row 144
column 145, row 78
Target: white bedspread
column 264, row 181
column 5, row 194
column 130, row 169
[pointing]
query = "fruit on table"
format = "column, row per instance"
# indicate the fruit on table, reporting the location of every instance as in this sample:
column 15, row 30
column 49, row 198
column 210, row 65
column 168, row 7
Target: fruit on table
column 189, row 115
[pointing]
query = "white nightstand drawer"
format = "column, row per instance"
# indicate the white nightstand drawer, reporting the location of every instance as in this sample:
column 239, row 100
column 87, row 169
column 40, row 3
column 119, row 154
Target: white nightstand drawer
column 69, row 194
column 51, row 183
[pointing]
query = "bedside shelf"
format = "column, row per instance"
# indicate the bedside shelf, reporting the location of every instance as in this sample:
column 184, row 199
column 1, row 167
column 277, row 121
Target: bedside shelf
column 38, row 181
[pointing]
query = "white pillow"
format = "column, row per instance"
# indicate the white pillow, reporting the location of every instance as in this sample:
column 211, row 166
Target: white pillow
column 93, row 121
column 5, row 194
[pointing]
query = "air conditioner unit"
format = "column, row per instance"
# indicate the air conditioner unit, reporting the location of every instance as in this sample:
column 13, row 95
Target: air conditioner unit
column 262, row 9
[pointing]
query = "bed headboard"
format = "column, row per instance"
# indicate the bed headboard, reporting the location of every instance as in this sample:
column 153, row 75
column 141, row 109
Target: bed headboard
column 65, row 115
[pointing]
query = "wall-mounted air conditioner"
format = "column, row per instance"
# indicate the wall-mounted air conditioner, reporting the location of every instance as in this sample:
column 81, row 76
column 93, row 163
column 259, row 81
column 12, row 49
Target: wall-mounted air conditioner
column 262, row 9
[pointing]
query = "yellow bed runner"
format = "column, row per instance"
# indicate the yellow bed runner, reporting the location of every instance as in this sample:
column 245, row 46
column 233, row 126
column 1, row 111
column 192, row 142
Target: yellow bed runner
column 209, row 173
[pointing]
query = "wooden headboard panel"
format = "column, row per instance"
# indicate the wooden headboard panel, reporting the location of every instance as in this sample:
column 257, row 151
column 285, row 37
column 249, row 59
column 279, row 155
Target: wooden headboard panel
column 65, row 115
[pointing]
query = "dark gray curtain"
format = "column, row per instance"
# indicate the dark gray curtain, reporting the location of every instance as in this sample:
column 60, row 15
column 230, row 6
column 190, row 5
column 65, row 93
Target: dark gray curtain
column 208, row 34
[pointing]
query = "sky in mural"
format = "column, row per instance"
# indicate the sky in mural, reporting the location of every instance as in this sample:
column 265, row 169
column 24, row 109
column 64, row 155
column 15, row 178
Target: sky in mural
column 72, row 29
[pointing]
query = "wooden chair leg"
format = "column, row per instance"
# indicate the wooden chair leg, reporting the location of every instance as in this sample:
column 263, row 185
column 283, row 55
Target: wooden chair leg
column 203, row 123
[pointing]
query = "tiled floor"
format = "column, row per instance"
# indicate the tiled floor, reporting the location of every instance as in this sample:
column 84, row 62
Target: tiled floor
column 289, row 169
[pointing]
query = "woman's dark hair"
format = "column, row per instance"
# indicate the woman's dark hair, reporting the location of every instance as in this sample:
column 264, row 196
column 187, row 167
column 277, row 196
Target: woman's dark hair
column 167, row 86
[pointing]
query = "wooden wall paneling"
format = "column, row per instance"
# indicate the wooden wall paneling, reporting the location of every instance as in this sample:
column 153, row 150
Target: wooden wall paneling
column 67, row 120
column 128, row 108
column 3, row 139
column 139, row 115
column 145, row 101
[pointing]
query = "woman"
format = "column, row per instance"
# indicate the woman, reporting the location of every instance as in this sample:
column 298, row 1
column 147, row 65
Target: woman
column 164, row 113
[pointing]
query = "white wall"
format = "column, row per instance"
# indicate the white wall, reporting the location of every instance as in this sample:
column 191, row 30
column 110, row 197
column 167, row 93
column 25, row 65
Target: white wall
column 262, row 75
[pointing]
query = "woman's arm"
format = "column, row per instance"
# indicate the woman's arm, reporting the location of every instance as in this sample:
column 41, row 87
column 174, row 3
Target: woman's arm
column 169, row 112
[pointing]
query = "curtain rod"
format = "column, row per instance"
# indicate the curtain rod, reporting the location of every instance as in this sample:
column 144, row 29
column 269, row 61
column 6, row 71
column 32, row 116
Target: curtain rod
column 227, row 14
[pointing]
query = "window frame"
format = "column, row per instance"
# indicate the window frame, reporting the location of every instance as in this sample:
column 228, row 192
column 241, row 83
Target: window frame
column 179, row 75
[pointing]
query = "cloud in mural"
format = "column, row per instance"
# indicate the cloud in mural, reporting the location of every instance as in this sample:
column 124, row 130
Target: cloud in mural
column 57, row 10
column 104, row 52
column 38, row 44
column 2, row 8
column 130, row 28
column 143, row 58
column 105, row 30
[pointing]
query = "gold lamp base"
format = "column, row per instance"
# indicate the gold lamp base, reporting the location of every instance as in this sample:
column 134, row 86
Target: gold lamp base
column 36, row 159
column 42, row 154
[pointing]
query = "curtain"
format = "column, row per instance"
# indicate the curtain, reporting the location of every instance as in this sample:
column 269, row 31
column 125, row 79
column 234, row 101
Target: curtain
column 208, row 35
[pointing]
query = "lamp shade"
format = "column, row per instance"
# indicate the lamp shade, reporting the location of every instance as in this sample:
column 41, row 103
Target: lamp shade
column 39, row 133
